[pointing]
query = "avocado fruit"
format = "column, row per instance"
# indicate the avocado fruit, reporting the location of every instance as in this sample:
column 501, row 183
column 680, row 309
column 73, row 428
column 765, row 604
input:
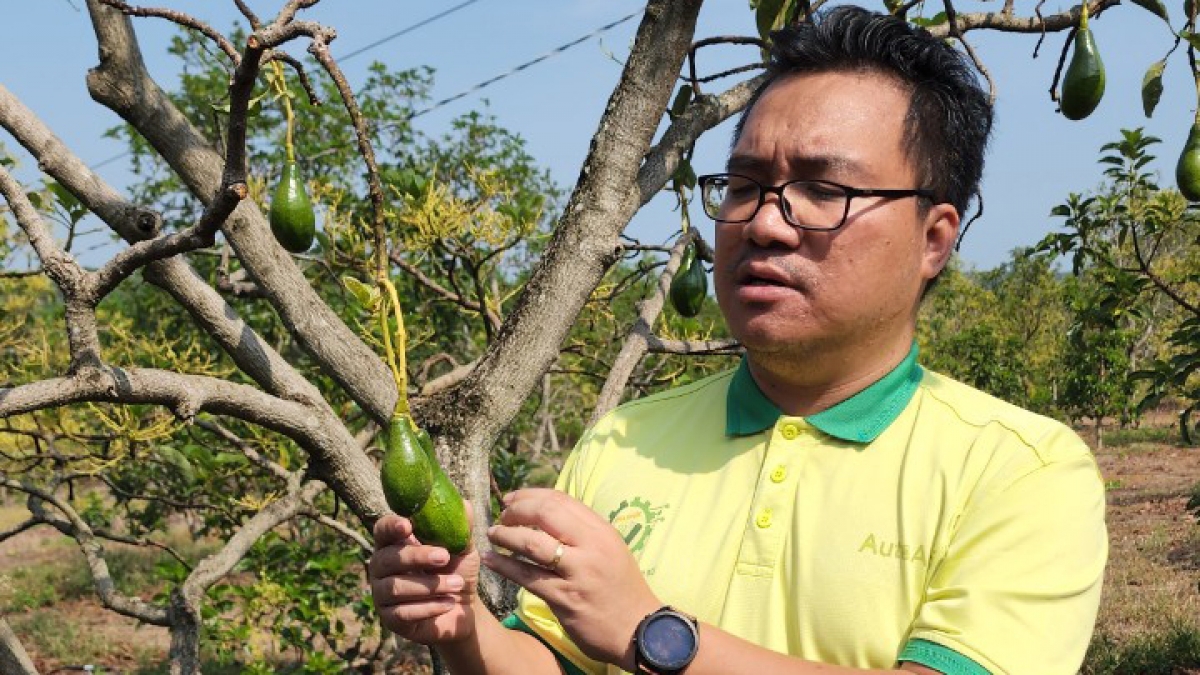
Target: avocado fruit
column 1187, row 171
column 689, row 286
column 292, row 218
column 406, row 472
column 442, row 520
column 1083, row 83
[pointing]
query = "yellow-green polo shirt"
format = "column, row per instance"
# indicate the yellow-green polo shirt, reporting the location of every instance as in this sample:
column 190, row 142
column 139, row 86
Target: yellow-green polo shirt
column 920, row 520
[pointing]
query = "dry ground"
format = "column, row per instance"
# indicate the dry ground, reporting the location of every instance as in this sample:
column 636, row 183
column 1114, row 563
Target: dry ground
column 1153, row 577
column 1152, row 582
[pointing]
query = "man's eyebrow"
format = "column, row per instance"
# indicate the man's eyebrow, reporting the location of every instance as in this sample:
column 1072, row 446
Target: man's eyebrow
column 811, row 164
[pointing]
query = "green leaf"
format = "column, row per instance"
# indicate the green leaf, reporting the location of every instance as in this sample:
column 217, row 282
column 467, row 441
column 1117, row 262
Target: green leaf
column 1155, row 7
column 1192, row 38
column 181, row 463
column 937, row 20
column 366, row 296
column 685, row 175
column 1152, row 86
column 769, row 16
column 682, row 99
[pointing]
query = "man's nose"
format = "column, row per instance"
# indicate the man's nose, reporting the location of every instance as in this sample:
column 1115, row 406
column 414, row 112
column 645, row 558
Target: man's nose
column 769, row 227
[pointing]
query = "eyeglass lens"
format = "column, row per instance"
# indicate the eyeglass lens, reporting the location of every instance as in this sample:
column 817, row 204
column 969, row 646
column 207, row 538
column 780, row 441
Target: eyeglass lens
column 813, row 204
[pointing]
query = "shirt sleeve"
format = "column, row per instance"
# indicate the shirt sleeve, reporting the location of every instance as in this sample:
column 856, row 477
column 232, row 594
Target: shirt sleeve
column 1019, row 587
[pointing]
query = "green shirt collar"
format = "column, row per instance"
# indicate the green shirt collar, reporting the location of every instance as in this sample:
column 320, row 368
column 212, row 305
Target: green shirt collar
column 858, row 419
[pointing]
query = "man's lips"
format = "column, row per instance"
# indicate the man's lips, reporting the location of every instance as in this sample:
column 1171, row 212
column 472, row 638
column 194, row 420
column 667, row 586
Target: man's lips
column 762, row 282
column 762, row 274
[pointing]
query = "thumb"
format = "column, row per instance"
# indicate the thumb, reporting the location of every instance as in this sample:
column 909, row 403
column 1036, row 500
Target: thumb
column 391, row 529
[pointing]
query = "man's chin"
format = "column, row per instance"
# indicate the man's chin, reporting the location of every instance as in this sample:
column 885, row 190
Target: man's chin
column 763, row 336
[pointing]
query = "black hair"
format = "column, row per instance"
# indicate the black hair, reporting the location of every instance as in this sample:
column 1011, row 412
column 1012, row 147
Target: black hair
column 949, row 117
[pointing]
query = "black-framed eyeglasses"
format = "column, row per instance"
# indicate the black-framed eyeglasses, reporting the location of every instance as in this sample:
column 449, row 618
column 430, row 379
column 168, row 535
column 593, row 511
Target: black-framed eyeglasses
column 807, row 204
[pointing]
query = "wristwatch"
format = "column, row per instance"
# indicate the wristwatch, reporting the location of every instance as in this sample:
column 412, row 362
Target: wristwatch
column 665, row 642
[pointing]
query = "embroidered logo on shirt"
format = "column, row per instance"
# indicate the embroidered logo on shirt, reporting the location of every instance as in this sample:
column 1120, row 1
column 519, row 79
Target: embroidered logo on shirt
column 893, row 549
column 635, row 521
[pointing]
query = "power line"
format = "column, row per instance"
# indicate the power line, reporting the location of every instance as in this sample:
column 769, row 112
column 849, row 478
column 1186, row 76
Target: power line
column 482, row 85
column 343, row 59
column 554, row 52
column 405, row 31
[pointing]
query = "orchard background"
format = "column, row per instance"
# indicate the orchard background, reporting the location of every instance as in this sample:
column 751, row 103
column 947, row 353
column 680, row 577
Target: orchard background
column 188, row 414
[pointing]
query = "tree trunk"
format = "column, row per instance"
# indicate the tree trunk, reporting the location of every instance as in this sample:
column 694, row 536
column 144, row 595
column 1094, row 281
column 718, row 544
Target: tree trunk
column 13, row 659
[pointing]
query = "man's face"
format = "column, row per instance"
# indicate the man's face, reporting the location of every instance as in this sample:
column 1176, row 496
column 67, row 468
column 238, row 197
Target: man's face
column 787, row 290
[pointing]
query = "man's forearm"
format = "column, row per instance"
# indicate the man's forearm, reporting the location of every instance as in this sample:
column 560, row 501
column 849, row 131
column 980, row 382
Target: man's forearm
column 493, row 649
column 722, row 653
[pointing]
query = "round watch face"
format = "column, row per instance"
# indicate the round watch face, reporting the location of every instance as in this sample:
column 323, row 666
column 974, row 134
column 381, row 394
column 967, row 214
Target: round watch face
column 668, row 642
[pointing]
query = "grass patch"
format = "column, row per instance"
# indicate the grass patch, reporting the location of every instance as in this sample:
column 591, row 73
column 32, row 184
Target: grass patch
column 1155, row 654
column 1117, row 438
column 53, row 635
column 44, row 585
column 66, row 577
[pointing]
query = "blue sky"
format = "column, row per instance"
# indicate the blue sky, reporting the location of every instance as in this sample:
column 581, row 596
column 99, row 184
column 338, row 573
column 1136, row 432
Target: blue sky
column 1037, row 156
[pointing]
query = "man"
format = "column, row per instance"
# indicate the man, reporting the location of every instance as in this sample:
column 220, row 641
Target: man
column 829, row 506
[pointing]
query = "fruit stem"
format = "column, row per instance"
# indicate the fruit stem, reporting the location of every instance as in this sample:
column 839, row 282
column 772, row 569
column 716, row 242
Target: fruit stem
column 1083, row 16
column 684, row 217
column 397, row 355
column 280, row 83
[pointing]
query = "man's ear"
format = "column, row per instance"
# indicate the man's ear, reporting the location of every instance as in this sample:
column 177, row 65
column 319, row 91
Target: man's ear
column 941, row 232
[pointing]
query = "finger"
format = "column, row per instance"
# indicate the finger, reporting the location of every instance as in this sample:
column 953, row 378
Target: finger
column 406, row 559
column 550, row 511
column 392, row 529
column 535, row 579
column 541, row 548
column 414, row 587
column 415, row 611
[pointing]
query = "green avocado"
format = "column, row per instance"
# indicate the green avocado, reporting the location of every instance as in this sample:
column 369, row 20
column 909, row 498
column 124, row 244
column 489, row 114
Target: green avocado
column 689, row 286
column 1083, row 84
column 406, row 472
column 1187, row 171
column 292, row 218
column 442, row 521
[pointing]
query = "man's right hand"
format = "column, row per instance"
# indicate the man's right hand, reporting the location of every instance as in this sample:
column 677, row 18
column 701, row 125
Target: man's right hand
column 422, row 593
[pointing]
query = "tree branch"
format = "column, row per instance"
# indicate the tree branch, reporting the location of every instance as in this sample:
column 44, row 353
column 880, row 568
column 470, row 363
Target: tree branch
column 187, row 598
column 243, row 447
column 122, row 83
column 76, row 284
column 1144, row 267
column 200, row 235
column 657, row 345
column 637, row 339
column 457, row 298
column 342, row 529
column 13, row 658
column 18, row 529
column 956, row 33
column 702, row 115
column 182, row 19
column 93, row 552
column 1008, row 23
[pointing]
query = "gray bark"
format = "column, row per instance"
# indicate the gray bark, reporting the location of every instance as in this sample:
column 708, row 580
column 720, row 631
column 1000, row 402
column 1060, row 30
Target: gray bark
column 13, row 659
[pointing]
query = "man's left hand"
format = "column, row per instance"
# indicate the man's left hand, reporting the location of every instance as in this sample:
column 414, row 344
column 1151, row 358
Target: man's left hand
column 594, row 587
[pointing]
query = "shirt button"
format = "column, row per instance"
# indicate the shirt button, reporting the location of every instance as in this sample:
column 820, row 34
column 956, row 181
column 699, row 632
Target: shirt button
column 779, row 474
column 764, row 519
column 789, row 431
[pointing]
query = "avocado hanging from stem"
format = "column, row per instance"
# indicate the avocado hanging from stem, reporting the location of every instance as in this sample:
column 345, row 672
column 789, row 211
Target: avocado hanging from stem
column 1083, row 84
column 292, row 218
